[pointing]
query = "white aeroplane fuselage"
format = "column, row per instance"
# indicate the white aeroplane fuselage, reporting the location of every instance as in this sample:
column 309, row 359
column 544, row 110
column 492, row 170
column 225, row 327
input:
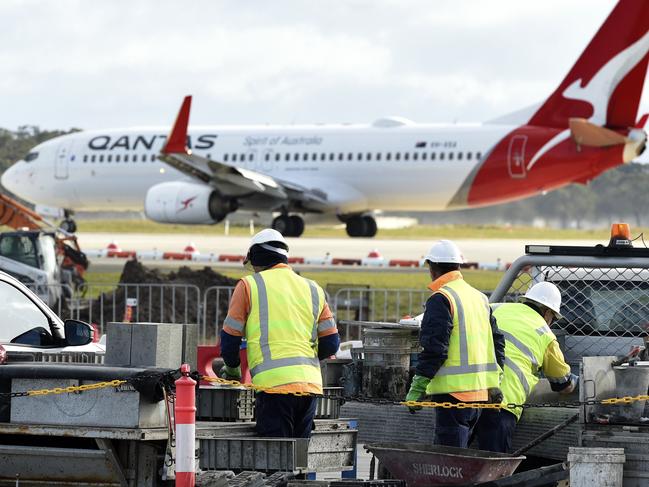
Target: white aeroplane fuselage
column 409, row 167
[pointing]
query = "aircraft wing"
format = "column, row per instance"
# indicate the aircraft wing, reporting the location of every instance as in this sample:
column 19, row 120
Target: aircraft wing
column 234, row 181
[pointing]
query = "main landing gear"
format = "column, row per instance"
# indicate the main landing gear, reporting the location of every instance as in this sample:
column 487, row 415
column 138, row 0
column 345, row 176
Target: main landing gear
column 289, row 225
column 361, row 226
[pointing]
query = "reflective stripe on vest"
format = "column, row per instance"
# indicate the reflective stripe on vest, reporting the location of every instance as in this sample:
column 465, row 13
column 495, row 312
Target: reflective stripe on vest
column 280, row 325
column 527, row 336
column 467, row 368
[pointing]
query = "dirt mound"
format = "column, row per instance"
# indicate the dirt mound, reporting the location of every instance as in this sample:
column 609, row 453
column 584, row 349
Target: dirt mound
column 174, row 297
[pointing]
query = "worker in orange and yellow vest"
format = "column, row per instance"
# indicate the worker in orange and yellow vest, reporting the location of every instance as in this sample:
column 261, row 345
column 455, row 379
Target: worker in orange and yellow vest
column 530, row 347
column 289, row 328
column 463, row 351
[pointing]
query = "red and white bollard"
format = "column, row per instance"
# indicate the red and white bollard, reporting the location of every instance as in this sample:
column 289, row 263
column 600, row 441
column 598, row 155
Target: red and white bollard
column 185, row 429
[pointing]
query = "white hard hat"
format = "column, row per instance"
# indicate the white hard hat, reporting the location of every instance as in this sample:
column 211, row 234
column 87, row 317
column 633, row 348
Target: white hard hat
column 546, row 294
column 267, row 235
column 444, row 252
column 263, row 239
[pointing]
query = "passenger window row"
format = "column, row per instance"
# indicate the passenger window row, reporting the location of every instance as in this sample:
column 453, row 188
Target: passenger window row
column 306, row 156
column 360, row 156
column 119, row 158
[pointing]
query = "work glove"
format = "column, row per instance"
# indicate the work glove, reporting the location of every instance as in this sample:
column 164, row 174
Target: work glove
column 417, row 391
column 495, row 395
column 574, row 382
column 230, row 373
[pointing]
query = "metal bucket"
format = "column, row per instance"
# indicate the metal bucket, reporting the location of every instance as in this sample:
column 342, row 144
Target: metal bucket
column 422, row 465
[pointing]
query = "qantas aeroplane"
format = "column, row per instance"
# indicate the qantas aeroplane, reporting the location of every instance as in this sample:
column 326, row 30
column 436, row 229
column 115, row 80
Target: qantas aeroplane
column 587, row 126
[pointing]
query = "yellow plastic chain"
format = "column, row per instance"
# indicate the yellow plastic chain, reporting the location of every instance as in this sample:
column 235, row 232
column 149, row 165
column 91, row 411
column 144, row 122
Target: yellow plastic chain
column 235, row 383
column 81, row 388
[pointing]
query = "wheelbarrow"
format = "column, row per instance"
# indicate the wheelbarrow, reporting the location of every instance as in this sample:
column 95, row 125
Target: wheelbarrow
column 422, row 465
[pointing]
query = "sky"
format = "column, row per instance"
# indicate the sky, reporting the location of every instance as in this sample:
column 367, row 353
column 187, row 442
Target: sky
column 120, row 63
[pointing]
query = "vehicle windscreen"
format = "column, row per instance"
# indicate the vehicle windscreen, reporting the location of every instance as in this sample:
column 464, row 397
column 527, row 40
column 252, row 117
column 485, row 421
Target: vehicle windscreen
column 21, row 248
column 20, row 316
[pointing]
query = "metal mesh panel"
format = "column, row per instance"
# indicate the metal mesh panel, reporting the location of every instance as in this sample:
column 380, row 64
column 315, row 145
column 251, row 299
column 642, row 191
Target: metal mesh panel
column 215, row 308
column 159, row 303
column 605, row 309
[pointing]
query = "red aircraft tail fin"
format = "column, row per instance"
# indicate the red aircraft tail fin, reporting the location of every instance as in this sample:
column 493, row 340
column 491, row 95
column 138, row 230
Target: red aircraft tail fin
column 605, row 84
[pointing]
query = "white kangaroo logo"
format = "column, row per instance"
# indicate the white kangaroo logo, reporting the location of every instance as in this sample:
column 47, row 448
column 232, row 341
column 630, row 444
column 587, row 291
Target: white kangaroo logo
column 599, row 89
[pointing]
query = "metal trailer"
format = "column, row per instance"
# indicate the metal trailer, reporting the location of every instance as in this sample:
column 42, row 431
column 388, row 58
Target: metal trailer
column 605, row 296
column 118, row 435
column 87, row 456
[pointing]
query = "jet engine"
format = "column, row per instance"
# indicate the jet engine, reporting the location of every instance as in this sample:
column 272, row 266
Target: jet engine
column 183, row 202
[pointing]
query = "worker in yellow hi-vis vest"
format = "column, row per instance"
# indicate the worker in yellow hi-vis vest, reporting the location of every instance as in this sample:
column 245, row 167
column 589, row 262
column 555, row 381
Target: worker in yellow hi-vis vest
column 463, row 351
column 530, row 347
column 288, row 328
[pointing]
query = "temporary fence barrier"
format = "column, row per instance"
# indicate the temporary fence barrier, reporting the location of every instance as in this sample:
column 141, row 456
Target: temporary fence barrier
column 215, row 305
column 367, row 304
column 159, row 303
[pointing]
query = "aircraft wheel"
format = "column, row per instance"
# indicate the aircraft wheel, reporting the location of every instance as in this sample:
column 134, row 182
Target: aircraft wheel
column 297, row 225
column 283, row 225
column 356, row 226
column 69, row 225
column 370, row 226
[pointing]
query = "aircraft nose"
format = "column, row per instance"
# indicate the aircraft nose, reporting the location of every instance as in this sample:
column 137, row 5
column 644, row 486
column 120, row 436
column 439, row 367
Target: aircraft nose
column 9, row 178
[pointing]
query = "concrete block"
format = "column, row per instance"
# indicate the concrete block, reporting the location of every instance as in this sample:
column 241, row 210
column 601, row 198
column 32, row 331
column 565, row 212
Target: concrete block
column 120, row 407
column 190, row 345
column 145, row 344
column 118, row 344
column 157, row 345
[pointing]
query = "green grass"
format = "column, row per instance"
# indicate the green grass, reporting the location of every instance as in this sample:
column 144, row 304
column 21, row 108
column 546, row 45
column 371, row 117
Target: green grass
column 337, row 231
column 483, row 280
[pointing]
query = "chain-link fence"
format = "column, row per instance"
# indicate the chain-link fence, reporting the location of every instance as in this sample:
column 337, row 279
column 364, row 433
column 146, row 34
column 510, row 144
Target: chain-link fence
column 605, row 302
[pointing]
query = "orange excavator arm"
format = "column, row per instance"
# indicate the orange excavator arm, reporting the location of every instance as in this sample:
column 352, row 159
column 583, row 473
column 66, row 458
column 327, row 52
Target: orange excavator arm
column 17, row 216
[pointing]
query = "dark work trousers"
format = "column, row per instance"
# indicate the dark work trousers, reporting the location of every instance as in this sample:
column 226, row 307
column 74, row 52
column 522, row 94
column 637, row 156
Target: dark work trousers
column 453, row 427
column 284, row 415
column 495, row 430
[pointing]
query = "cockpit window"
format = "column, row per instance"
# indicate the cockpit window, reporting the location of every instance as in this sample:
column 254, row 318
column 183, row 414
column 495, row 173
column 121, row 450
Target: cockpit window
column 31, row 156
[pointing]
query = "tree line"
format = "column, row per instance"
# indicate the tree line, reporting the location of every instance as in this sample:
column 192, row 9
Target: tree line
column 619, row 194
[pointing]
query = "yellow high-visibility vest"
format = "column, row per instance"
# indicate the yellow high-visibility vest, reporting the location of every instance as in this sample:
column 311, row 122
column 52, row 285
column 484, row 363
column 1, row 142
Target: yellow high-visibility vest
column 471, row 364
column 527, row 336
column 282, row 328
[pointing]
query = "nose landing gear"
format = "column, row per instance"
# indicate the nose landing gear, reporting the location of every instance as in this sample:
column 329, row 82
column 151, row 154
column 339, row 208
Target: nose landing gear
column 68, row 224
column 289, row 225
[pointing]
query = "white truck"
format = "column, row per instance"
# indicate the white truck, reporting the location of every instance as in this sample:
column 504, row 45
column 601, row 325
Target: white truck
column 605, row 307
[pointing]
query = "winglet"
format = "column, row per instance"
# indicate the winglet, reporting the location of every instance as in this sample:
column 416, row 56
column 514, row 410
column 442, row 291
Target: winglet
column 177, row 140
column 642, row 122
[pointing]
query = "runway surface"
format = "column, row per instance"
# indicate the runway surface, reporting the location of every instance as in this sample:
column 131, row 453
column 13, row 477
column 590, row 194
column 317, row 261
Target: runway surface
column 475, row 250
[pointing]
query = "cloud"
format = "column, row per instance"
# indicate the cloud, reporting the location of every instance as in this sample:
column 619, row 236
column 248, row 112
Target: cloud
column 120, row 63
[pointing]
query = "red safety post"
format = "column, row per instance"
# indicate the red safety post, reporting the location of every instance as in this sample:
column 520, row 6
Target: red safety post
column 185, row 429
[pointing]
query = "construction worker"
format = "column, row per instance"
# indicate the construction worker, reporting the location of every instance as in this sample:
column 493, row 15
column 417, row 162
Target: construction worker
column 530, row 346
column 463, row 351
column 288, row 327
